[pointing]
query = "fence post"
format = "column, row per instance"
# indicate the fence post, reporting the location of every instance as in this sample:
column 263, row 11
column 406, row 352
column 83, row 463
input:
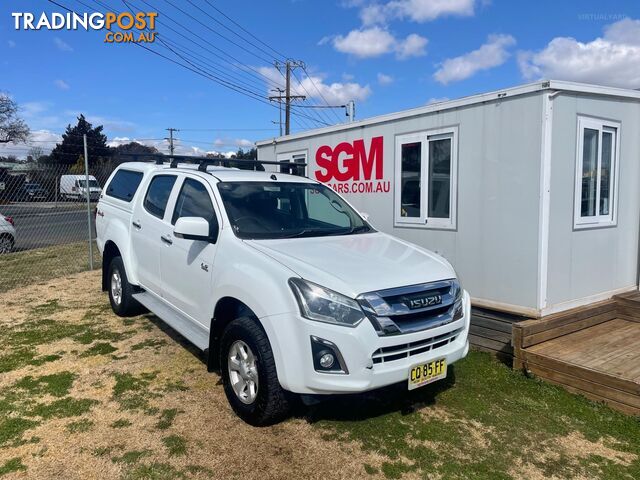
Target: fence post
column 86, row 189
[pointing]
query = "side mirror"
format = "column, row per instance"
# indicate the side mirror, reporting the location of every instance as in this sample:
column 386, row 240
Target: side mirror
column 193, row 228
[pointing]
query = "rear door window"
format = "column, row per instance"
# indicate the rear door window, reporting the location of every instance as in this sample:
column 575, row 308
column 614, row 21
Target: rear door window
column 155, row 202
column 124, row 185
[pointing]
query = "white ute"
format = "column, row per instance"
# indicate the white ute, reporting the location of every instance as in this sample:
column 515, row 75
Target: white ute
column 283, row 285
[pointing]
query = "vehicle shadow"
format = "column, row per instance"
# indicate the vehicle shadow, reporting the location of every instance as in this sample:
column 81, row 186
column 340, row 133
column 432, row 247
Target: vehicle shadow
column 363, row 406
column 348, row 407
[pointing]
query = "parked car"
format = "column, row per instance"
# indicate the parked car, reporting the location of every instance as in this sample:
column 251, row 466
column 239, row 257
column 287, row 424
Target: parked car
column 7, row 234
column 31, row 192
column 283, row 284
column 73, row 187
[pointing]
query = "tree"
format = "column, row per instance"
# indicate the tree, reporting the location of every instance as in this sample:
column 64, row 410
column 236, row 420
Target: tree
column 72, row 147
column 136, row 148
column 36, row 153
column 12, row 127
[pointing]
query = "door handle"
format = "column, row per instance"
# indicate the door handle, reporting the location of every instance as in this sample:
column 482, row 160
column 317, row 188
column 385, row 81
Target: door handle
column 136, row 224
column 166, row 239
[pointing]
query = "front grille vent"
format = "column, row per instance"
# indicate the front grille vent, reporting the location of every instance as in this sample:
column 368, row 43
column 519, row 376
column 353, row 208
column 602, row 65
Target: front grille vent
column 406, row 350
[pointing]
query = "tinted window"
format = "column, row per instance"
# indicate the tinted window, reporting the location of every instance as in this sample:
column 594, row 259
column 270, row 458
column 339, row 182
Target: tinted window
column 194, row 201
column 158, row 194
column 287, row 209
column 124, row 185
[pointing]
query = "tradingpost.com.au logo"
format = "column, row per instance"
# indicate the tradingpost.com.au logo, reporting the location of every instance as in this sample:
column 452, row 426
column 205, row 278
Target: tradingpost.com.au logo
column 124, row 27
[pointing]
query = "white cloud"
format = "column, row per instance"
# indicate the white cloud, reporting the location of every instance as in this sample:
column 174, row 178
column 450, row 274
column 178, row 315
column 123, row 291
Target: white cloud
column 416, row 10
column 11, row 44
column 62, row 45
column 412, row 46
column 336, row 93
column 44, row 139
column 613, row 59
column 376, row 41
column 61, row 84
column 370, row 42
column 238, row 142
column 384, row 79
column 492, row 54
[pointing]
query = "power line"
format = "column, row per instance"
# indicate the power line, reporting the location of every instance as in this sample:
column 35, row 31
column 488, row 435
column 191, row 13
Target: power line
column 304, row 69
column 244, row 29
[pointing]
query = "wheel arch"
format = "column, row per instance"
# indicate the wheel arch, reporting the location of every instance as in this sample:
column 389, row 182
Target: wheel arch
column 110, row 252
column 227, row 309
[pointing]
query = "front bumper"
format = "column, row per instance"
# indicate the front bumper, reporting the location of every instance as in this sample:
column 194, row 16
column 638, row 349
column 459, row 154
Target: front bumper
column 290, row 334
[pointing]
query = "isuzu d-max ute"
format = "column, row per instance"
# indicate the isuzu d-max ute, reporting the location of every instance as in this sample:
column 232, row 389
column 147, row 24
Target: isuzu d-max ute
column 285, row 287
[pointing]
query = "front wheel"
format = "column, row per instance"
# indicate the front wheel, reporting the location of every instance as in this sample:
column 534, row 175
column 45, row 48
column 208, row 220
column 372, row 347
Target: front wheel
column 121, row 292
column 6, row 244
column 249, row 374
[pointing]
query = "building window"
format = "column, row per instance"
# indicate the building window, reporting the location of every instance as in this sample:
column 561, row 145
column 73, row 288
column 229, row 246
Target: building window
column 426, row 178
column 596, row 172
column 293, row 163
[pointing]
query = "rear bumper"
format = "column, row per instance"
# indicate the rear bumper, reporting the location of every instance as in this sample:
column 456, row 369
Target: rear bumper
column 290, row 334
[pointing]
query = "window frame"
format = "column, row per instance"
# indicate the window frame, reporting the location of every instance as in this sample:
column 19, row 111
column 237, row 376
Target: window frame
column 109, row 193
column 168, row 204
column 597, row 221
column 211, row 199
column 288, row 157
column 424, row 221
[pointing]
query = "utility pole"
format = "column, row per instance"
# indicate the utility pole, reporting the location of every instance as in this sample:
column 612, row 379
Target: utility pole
column 279, row 98
column 289, row 66
column 171, row 130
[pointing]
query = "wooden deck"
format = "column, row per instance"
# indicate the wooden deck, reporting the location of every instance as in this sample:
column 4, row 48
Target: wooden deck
column 593, row 351
column 491, row 332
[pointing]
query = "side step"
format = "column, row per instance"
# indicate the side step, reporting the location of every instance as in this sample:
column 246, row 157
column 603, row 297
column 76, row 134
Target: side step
column 185, row 326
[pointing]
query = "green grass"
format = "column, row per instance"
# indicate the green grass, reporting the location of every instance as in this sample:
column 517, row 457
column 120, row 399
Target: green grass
column 131, row 457
column 12, row 465
column 478, row 424
column 166, row 418
column 121, row 423
column 41, row 264
column 57, row 384
column 133, row 392
column 176, row 445
column 63, row 408
column 100, row 348
column 80, row 426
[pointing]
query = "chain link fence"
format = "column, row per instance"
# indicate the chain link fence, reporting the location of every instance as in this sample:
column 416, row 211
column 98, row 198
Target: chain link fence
column 47, row 219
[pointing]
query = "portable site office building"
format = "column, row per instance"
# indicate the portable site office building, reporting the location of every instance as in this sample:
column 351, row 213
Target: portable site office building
column 532, row 193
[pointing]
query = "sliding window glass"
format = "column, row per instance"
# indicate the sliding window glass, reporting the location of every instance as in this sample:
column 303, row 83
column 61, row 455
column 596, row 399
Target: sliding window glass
column 426, row 167
column 596, row 172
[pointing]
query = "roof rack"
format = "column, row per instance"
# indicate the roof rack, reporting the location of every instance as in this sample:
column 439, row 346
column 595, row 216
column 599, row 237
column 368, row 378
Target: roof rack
column 204, row 162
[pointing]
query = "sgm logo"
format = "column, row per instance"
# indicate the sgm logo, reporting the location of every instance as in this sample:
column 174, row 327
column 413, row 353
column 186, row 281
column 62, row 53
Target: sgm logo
column 346, row 161
column 350, row 168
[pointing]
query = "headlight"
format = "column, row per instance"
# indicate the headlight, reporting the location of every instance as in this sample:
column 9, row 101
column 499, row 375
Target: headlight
column 324, row 305
column 459, row 304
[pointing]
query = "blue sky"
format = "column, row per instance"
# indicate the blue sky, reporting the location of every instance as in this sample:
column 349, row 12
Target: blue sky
column 388, row 55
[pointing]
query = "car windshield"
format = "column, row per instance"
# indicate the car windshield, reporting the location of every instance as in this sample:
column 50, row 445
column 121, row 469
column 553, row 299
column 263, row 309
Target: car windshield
column 92, row 183
column 269, row 210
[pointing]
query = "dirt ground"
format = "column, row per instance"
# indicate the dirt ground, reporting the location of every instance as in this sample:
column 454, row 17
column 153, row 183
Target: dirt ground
column 85, row 394
column 152, row 409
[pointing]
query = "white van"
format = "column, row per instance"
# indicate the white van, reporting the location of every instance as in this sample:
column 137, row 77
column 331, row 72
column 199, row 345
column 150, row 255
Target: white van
column 73, row 187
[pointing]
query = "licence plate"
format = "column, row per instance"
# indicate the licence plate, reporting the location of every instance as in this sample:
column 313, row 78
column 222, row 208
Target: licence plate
column 425, row 373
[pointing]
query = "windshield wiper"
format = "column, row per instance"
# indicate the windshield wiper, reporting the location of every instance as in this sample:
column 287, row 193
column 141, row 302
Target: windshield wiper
column 359, row 229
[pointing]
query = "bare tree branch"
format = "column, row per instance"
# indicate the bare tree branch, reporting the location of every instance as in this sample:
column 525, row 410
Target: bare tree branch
column 12, row 127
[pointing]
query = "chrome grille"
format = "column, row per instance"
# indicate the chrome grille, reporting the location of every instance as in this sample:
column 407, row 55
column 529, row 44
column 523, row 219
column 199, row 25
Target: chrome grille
column 413, row 308
column 405, row 350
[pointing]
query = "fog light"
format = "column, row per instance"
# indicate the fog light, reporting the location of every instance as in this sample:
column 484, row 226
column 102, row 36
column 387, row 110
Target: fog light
column 327, row 360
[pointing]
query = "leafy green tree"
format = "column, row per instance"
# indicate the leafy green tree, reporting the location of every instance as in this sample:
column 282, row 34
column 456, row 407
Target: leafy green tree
column 72, row 148
column 136, row 148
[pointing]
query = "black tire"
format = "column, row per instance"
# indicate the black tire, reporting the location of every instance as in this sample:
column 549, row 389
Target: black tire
column 271, row 404
column 126, row 306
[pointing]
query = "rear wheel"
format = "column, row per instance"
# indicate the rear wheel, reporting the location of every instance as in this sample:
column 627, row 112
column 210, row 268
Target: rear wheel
column 6, row 244
column 121, row 292
column 249, row 374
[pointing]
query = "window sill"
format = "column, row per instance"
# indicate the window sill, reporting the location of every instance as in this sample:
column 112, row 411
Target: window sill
column 424, row 226
column 595, row 225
